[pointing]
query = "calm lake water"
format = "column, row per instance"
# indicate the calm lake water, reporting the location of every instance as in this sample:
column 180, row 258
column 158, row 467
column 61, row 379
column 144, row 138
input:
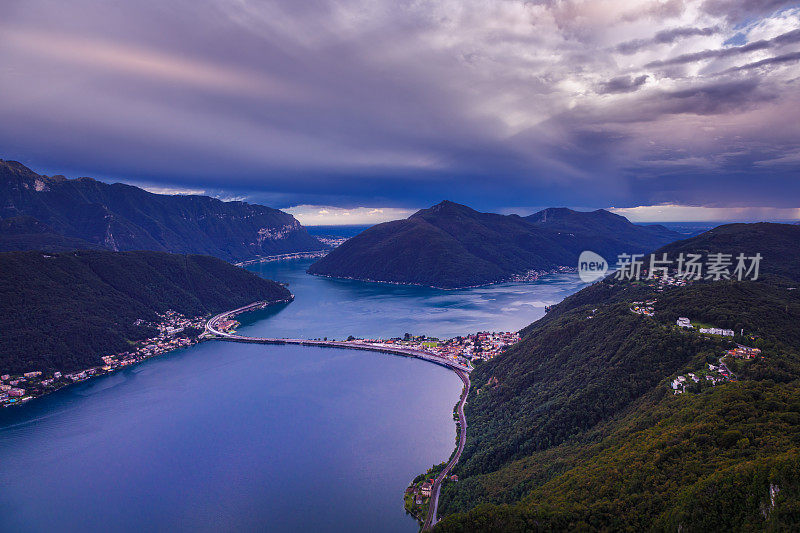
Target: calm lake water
column 336, row 308
column 236, row 437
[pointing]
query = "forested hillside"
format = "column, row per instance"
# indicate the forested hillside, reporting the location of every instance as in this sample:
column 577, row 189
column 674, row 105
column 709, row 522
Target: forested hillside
column 64, row 311
column 578, row 426
column 451, row 245
column 26, row 233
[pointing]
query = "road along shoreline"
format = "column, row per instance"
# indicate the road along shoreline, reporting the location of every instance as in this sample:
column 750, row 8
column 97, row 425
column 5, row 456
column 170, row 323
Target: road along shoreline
column 433, row 504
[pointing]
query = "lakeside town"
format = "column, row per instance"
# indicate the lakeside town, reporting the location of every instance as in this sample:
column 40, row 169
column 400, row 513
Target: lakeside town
column 483, row 345
column 328, row 240
column 283, row 257
column 174, row 331
column 530, row 276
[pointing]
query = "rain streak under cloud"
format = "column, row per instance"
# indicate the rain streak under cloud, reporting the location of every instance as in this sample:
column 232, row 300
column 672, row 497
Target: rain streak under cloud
column 391, row 104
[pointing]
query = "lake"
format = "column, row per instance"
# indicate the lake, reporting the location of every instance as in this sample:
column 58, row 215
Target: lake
column 240, row 437
column 337, row 308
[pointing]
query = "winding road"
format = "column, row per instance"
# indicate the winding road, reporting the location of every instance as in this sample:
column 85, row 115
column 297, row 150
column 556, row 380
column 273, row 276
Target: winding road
column 433, row 505
column 461, row 370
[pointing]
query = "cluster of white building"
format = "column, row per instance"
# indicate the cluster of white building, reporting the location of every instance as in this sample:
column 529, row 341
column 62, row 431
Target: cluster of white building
column 482, row 345
column 715, row 375
column 684, row 322
column 717, row 331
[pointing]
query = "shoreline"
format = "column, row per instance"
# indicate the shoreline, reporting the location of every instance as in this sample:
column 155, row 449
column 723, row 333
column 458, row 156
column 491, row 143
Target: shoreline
column 512, row 279
column 212, row 329
column 212, row 333
column 433, row 504
column 98, row 372
column 64, row 380
column 311, row 254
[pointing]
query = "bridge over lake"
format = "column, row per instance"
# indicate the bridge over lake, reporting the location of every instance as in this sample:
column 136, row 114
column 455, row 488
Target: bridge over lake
column 212, row 328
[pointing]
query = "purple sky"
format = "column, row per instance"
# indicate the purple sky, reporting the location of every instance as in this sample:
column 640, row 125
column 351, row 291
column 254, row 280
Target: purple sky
column 503, row 105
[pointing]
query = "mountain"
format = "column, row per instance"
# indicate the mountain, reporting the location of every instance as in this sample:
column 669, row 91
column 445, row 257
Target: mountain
column 64, row 311
column 772, row 241
column 451, row 245
column 603, row 232
column 448, row 245
column 122, row 217
column 577, row 426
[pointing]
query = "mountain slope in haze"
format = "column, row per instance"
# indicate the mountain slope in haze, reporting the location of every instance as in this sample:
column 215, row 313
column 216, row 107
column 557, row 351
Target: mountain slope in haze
column 122, row 217
column 450, row 245
column 577, row 428
column 64, row 311
column 603, row 232
column 27, row 233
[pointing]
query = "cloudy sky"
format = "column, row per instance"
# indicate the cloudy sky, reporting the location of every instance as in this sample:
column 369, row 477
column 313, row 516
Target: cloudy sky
column 370, row 108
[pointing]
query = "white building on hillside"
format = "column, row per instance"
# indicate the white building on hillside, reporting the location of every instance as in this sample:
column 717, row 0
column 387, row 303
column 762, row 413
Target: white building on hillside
column 718, row 331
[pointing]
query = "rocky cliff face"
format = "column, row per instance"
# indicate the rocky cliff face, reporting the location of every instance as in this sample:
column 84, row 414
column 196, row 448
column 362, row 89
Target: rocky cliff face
column 122, row 217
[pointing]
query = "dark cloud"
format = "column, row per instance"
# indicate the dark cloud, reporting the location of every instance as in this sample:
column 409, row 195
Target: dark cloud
column 379, row 102
column 663, row 37
column 716, row 98
column 790, row 37
column 622, row 84
column 776, row 60
column 739, row 10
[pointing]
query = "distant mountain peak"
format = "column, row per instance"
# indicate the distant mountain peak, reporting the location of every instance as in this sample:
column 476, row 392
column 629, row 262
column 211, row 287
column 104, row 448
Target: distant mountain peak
column 553, row 214
column 444, row 207
column 14, row 170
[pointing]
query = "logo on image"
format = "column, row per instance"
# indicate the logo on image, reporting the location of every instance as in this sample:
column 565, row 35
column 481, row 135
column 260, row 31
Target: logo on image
column 591, row 266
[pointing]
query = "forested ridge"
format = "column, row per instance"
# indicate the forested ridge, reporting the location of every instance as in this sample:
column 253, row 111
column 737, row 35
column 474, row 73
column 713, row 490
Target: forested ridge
column 54, row 213
column 64, row 311
column 577, row 427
